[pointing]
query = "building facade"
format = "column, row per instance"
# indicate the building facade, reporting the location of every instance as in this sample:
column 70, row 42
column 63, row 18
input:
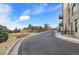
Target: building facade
column 60, row 23
column 66, row 17
column 71, row 18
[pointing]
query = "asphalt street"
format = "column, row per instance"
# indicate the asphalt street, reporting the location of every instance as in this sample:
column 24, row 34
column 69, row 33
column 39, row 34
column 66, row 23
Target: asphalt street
column 47, row 44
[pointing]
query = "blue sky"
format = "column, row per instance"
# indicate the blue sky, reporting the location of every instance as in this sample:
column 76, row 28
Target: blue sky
column 21, row 14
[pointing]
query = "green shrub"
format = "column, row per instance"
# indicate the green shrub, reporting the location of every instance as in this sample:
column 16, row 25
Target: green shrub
column 3, row 36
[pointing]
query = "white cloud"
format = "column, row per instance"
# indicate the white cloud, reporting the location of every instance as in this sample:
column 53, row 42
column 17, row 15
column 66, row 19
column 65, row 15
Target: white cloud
column 37, row 9
column 5, row 13
column 22, row 18
column 5, row 20
column 53, row 26
column 5, row 9
column 55, row 8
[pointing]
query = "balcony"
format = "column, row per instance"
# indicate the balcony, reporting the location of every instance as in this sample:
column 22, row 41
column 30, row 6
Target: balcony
column 60, row 17
column 60, row 23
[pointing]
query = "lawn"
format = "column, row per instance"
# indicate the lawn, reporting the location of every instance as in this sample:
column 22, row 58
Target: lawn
column 11, row 39
column 5, row 46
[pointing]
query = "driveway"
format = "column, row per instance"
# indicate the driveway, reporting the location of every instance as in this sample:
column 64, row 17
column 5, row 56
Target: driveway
column 47, row 44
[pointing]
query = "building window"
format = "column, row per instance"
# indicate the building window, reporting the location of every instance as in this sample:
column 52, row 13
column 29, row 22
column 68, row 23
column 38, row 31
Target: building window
column 74, row 8
column 78, row 6
column 69, row 16
column 76, row 25
column 71, row 28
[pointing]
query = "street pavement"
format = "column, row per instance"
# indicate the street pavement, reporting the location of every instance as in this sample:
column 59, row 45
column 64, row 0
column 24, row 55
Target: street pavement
column 47, row 44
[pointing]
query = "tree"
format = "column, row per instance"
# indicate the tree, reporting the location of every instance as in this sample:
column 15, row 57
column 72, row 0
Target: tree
column 46, row 27
column 3, row 28
column 30, row 28
column 16, row 30
column 3, row 34
column 40, row 28
column 24, row 28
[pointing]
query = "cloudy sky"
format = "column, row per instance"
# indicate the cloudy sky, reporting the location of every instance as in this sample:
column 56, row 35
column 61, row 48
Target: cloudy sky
column 20, row 15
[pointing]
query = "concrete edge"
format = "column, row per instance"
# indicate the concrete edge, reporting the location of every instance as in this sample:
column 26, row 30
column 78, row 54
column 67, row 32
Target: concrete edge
column 74, row 40
column 9, row 50
column 12, row 46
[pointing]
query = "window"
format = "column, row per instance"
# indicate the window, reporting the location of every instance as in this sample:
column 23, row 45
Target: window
column 74, row 9
column 71, row 28
column 76, row 25
column 69, row 16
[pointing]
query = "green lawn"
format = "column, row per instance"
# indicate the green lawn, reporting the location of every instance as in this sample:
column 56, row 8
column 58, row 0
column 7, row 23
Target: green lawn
column 6, row 45
column 11, row 37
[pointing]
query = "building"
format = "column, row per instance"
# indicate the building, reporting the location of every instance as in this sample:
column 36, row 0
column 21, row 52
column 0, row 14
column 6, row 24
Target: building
column 60, row 23
column 71, row 18
column 66, row 17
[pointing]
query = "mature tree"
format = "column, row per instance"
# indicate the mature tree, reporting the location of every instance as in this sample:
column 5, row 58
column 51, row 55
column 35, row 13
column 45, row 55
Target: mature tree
column 46, row 27
column 24, row 28
column 3, row 28
column 3, row 34
column 40, row 28
column 30, row 28
column 16, row 30
column 37, row 28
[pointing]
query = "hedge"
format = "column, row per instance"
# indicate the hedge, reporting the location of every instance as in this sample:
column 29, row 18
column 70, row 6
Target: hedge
column 3, row 36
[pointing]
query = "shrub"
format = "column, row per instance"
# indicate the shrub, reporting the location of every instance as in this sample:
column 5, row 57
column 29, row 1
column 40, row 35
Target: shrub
column 3, row 36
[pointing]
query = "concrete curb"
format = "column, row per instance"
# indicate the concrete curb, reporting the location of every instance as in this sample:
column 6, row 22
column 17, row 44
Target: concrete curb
column 9, row 50
column 19, row 40
column 74, row 40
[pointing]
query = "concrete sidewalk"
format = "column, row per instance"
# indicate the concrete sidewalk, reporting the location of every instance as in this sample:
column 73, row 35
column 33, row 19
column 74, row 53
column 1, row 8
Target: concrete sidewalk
column 63, row 37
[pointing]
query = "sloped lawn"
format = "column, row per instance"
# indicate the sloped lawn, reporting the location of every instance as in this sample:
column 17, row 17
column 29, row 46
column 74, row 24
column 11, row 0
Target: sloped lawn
column 4, row 46
column 12, row 38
